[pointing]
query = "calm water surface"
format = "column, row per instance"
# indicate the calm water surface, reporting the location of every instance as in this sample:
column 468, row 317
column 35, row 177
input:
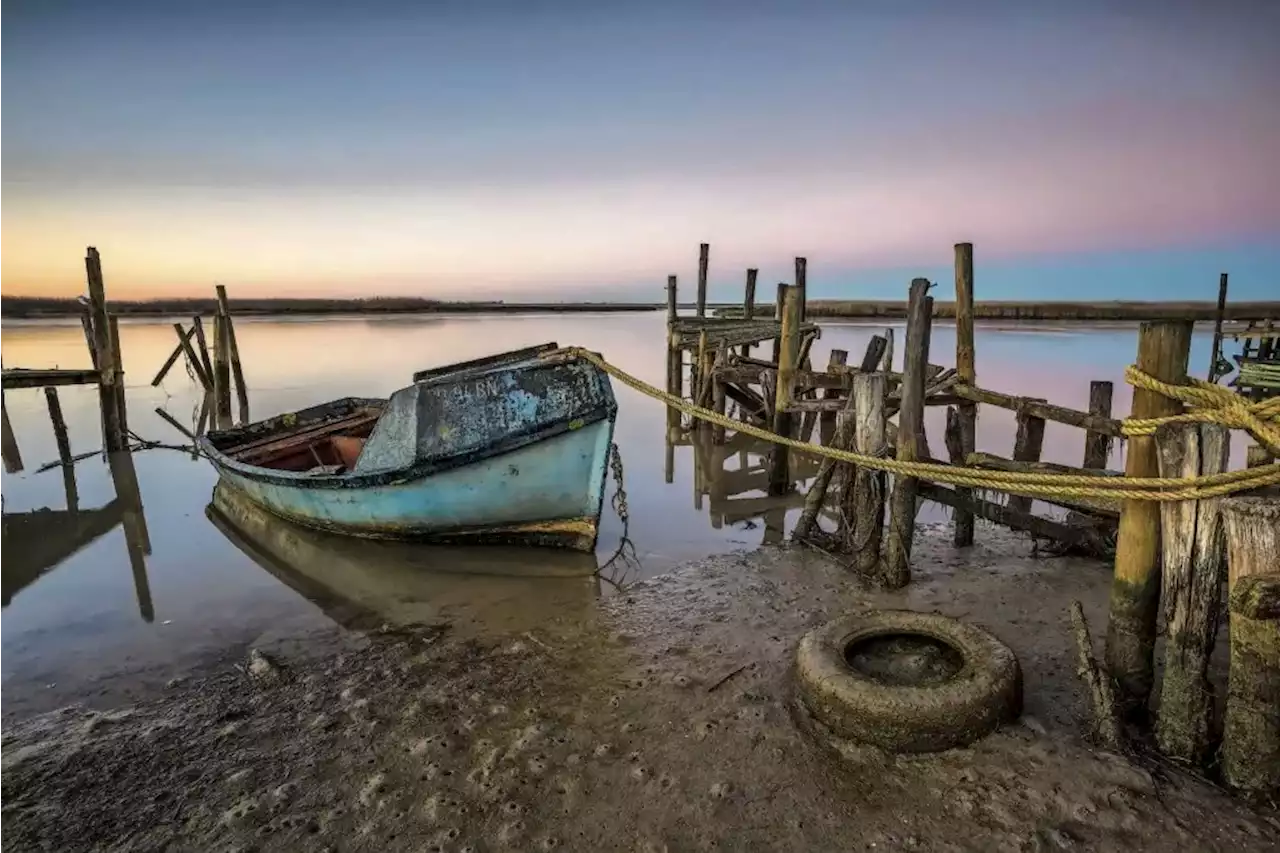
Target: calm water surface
column 83, row 599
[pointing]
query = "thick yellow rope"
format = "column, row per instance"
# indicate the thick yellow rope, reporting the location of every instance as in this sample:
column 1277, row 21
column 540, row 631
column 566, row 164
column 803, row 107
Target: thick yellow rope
column 1212, row 403
column 1030, row 484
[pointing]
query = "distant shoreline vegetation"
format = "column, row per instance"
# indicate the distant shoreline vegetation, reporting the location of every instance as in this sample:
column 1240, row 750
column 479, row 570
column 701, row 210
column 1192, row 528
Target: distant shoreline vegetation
column 35, row 307
column 32, row 307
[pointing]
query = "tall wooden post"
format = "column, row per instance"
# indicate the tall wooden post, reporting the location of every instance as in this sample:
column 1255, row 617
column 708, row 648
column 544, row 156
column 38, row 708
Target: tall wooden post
column 1097, row 445
column 838, row 358
column 202, row 346
column 779, row 309
column 113, row 430
column 1028, row 444
column 802, row 286
column 222, row 370
column 749, row 304
column 704, row 260
column 1163, row 350
column 64, row 447
column 719, row 399
column 1251, row 725
column 966, row 373
column 888, row 350
column 1193, row 558
column 869, row 391
column 1218, row 317
column 9, row 442
column 233, row 350
column 675, row 356
column 902, row 502
column 789, row 352
column 118, row 359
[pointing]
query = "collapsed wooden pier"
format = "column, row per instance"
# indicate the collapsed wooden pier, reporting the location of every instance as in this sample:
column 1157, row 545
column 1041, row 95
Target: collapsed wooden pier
column 1168, row 554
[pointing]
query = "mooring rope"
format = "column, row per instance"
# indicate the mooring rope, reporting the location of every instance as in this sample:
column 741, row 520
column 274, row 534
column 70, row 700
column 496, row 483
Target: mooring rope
column 1262, row 419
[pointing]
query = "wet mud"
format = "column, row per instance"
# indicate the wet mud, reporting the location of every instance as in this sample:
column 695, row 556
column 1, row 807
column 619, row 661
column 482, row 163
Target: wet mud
column 665, row 720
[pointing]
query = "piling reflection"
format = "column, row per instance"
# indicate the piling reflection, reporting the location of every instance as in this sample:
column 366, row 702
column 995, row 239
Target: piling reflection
column 364, row 584
column 731, row 481
column 37, row 541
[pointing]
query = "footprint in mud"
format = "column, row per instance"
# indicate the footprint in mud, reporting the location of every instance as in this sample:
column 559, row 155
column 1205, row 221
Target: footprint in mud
column 374, row 787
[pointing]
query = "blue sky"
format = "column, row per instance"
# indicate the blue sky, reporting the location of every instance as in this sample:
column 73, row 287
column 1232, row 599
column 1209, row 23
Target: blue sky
column 580, row 150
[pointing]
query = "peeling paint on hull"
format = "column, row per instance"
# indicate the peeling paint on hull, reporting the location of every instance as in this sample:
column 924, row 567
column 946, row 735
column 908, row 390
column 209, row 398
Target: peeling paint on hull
column 547, row 493
column 516, row 453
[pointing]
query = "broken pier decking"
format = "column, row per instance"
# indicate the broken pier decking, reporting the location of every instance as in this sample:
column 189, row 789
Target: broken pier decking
column 23, row 377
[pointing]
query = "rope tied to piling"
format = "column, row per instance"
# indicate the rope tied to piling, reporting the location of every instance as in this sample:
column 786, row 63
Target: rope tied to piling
column 1030, row 484
column 1210, row 404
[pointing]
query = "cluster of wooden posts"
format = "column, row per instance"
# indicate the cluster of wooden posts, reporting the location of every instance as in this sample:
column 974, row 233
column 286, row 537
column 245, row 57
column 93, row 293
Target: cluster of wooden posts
column 43, row 538
column 214, row 374
column 852, row 406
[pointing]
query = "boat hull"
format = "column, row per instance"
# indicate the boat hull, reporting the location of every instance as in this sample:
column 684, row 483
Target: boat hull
column 546, row 493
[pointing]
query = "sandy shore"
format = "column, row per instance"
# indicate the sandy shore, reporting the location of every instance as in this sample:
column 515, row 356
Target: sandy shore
column 665, row 720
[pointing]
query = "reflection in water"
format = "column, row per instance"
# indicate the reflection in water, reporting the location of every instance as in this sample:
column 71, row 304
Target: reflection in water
column 364, row 584
column 733, row 477
column 37, row 541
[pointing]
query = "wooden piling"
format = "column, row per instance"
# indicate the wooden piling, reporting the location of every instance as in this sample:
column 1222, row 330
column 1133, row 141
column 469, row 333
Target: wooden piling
column 118, row 360
column 184, row 338
column 1097, row 445
column 134, row 522
column 874, row 354
column 788, row 353
column 1193, row 565
column 59, row 425
column 749, row 304
column 193, row 359
column 222, row 370
column 867, row 501
column 69, row 487
column 802, row 286
column 1028, row 444
column 9, row 442
column 86, row 325
column 838, row 358
column 699, row 391
column 1163, row 349
column 1215, row 357
column 888, row 351
column 902, row 503
column 1251, row 725
column 114, row 435
column 704, row 260
column 675, row 356
column 827, row 470
column 966, row 372
column 779, row 309
column 233, row 350
column 202, row 347
column 719, row 401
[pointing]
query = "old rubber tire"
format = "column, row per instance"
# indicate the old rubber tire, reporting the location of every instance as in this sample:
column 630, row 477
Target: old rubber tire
column 985, row 692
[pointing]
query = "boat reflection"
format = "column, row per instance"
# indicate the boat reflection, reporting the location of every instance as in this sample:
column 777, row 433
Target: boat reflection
column 38, row 541
column 364, row 584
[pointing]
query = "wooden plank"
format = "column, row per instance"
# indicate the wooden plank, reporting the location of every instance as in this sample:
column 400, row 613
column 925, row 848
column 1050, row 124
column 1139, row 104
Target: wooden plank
column 193, row 360
column 1048, row 411
column 22, row 377
column 1105, row 507
column 59, row 423
column 1085, row 539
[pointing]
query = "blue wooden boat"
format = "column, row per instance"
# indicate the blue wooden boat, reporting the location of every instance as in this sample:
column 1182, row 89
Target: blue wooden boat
column 511, row 449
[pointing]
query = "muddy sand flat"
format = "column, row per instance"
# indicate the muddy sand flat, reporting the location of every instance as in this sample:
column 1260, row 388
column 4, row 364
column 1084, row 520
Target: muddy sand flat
column 664, row 721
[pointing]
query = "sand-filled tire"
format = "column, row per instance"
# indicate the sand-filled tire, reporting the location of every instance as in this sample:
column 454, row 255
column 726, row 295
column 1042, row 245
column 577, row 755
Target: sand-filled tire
column 951, row 711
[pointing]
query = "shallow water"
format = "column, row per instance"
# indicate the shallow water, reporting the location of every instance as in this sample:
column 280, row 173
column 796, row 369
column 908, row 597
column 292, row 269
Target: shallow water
column 72, row 614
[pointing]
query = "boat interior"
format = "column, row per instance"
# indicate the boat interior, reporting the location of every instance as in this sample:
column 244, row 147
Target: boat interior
column 329, row 447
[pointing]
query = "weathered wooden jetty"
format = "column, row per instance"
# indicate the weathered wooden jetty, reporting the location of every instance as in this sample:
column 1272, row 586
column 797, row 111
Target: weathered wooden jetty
column 1169, row 552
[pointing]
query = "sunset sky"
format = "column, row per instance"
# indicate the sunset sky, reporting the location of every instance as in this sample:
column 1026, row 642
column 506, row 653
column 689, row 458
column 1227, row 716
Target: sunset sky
column 582, row 150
